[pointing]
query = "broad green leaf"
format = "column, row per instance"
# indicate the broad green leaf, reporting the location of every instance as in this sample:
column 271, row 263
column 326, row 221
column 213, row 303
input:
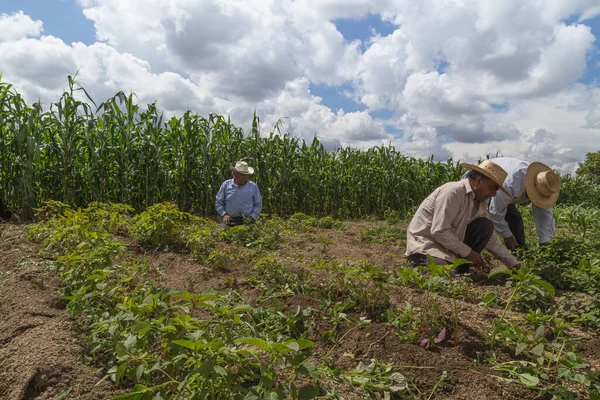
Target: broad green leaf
column 529, row 380
column 142, row 328
column 130, row 342
column 260, row 343
column 293, row 345
column 489, row 298
column 188, row 344
column 499, row 270
column 305, row 344
column 308, row 393
column 539, row 332
column 137, row 393
column 120, row 372
column 273, row 396
column 520, row 348
column 280, row 348
column 538, row 349
column 546, row 286
column 139, row 371
column 120, row 349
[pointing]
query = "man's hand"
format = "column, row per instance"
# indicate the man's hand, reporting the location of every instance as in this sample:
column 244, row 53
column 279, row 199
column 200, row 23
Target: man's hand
column 510, row 242
column 226, row 219
column 475, row 258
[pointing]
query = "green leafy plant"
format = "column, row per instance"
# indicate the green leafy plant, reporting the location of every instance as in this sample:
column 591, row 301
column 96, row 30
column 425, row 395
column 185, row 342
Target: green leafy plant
column 162, row 226
column 377, row 377
column 528, row 288
column 112, row 217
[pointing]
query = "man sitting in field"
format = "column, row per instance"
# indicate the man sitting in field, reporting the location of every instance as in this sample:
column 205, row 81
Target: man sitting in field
column 5, row 213
column 453, row 221
column 239, row 200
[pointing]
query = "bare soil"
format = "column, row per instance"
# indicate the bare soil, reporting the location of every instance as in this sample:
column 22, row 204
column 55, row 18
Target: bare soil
column 40, row 354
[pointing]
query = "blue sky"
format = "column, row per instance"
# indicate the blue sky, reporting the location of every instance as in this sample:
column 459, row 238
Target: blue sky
column 62, row 18
column 485, row 80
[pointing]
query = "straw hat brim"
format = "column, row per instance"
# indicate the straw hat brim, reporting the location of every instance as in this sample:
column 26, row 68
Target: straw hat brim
column 533, row 194
column 249, row 172
column 472, row 167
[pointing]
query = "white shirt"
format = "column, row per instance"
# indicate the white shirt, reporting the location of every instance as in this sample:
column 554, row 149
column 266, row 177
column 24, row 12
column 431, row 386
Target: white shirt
column 515, row 185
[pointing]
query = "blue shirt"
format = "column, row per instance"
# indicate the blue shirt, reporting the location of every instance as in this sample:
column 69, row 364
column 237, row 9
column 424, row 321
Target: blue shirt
column 239, row 201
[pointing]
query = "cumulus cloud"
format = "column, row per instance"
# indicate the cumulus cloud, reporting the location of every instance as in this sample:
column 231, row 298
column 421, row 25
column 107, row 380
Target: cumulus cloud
column 440, row 74
column 18, row 26
column 592, row 119
column 309, row 118
column 38, row 67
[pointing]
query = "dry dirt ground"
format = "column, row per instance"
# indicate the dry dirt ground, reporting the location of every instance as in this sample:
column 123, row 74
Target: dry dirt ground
column 40, row 355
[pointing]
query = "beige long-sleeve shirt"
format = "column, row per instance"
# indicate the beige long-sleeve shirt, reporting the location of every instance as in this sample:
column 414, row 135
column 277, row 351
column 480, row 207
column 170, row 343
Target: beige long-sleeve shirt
column 439, row 225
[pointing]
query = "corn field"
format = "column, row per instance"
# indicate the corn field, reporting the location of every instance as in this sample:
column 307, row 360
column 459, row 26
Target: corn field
column 77, row 152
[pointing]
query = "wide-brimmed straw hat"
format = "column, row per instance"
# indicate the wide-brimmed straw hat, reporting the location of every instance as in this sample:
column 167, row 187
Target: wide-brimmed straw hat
column 243, row 168
column 542, row 185
column 492, row 170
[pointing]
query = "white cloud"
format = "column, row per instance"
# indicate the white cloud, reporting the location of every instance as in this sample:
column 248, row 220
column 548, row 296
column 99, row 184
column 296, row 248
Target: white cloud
column 461, row 78
column 18, row 26
column 37, row 66
column 308, row 117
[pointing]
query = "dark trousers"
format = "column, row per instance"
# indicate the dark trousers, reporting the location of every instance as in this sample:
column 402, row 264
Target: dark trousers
column 515, row 223
column 478, row 233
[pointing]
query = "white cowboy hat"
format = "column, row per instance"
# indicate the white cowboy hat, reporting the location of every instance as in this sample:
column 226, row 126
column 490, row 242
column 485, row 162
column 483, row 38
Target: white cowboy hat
column 492, row 170
column 243, row 168
column 542, row 185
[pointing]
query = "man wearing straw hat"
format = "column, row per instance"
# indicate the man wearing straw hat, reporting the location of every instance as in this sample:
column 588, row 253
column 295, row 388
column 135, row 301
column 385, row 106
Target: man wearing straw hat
column 453, row 221
column 526, row 182
column 238, row 200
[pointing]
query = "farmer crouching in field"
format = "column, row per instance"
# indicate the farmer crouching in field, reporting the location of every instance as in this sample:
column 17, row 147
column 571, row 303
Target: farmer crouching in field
column 526, row 182
column 238, row 199
column 5, row 213
column 453, row 221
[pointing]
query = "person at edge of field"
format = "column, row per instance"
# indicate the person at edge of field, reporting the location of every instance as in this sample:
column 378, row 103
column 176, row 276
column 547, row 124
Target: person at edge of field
column 239, row 200
column 453, row 221
column 5, row 213
column 526, row 182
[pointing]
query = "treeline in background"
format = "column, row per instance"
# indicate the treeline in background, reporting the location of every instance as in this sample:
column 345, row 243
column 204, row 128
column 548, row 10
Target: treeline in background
column 76, row 151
